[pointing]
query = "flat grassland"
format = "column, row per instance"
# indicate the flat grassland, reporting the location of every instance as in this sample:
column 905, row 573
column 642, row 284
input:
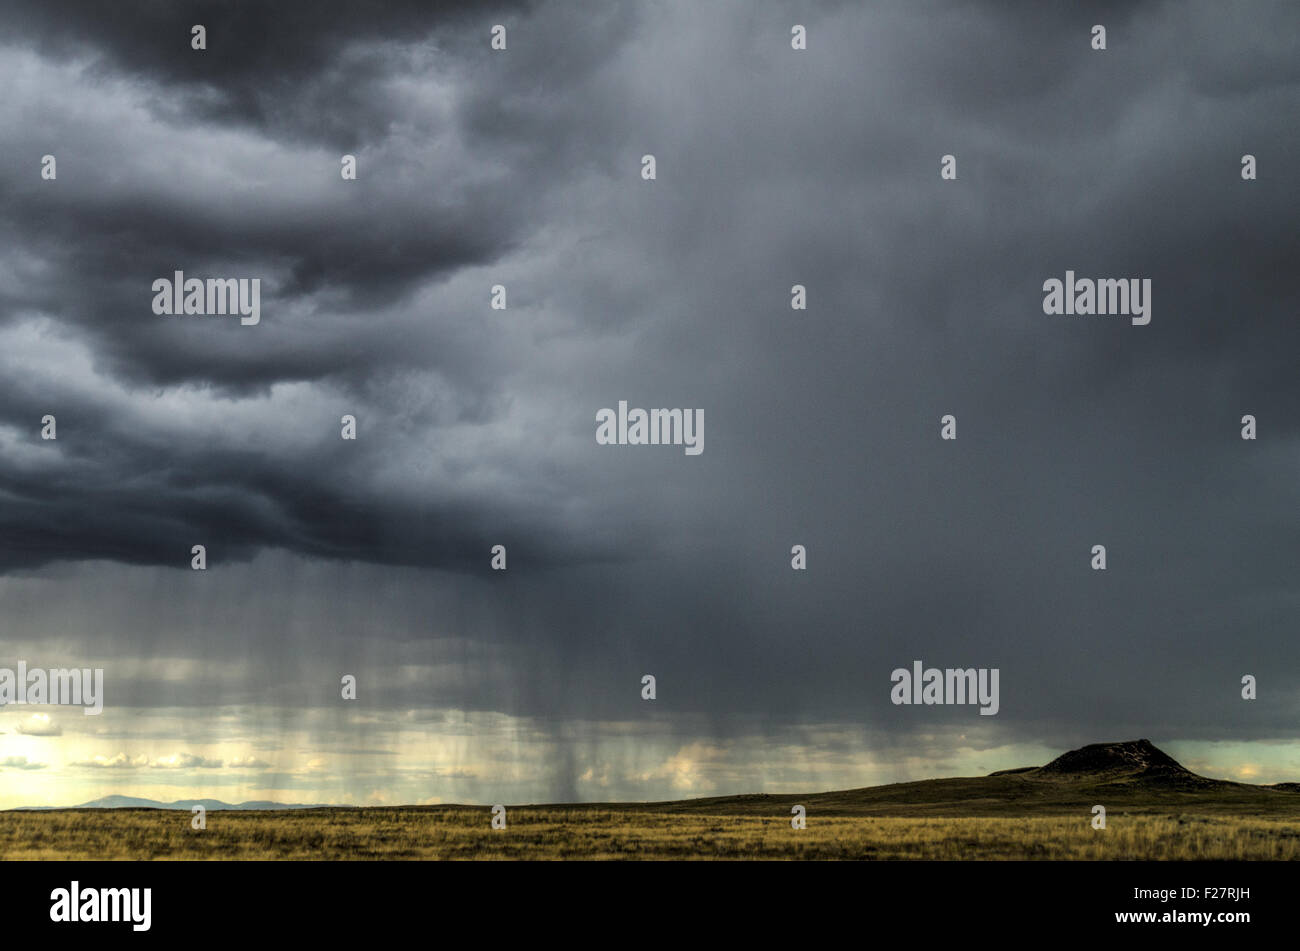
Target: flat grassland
column 621, row 833
column 1160, row 813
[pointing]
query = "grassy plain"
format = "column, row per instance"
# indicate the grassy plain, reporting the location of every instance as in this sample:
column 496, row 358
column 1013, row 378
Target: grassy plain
column 1155, row 810
column 622, row 833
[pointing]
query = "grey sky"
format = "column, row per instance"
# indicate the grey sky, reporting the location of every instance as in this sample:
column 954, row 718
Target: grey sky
column 476, row 426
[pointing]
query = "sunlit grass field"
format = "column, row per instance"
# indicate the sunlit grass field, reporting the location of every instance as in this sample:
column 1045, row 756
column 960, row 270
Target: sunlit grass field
column 549, row 833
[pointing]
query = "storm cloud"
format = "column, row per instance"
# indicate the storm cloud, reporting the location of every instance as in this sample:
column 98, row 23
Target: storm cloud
column 475, row 426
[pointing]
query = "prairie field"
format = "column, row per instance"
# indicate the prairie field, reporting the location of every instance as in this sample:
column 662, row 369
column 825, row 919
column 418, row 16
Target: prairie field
column 548, row 833
column 1156, row 810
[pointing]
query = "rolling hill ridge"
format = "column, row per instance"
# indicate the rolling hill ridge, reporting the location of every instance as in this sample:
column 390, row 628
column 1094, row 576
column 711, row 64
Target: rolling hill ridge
column 1132, row 776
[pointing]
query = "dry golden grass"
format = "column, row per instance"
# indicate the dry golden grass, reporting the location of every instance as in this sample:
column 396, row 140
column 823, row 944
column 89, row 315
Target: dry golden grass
column 600, row 833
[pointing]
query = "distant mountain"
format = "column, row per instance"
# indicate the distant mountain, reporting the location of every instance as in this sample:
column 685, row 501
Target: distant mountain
column 210, row 805
column 1138, row 762
column 1132, row 758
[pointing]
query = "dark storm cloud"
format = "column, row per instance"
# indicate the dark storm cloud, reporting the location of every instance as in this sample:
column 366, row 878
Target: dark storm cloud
column 340, row 268
column 441, row 188
column 822, row 426
column 286, row 67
